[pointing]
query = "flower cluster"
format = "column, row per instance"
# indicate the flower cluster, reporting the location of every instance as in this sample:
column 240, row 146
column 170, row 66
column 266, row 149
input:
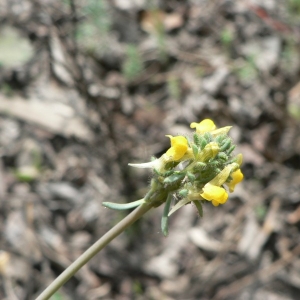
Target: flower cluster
column 194, row 170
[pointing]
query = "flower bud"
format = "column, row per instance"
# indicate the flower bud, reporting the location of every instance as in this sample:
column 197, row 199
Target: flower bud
column 225, row 145
column 174, row 178
column 191, row 176
column 183, row 193
column 195, row 150
column 209, row 152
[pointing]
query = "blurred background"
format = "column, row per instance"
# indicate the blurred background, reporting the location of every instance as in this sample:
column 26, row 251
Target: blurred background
column 88, row 86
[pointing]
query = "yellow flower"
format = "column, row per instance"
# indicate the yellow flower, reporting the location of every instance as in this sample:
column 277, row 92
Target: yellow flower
column 216, row 194
column 206, row 125
column 237, row 177
column 213, row 191
column 179, row 146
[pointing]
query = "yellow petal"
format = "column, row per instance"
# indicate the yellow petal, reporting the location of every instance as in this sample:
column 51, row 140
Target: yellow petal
column 179, row 146
column 215, row 193
column 215, row 203
column 177, row 140
column 206, row 125
column 237, row 177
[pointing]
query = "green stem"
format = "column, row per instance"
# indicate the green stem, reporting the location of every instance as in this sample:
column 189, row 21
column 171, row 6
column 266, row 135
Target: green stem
column 93, row 250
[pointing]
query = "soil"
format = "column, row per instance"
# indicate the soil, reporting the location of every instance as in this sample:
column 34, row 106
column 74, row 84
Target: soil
column 88, row 86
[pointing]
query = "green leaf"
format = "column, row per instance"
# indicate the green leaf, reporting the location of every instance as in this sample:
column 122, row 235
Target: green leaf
column 208, row 137
column 231, row 149
column 174, row 177
column 183, row 193
column 164, row 219
column 222, row 156
column 27, row 173
column 179, row 205
column 203, row 142
column 195, row 150
column 199, row 166
column 191, row 176
column 220, row 138
column 225, row 145
column 199, row 207
column 123, row 206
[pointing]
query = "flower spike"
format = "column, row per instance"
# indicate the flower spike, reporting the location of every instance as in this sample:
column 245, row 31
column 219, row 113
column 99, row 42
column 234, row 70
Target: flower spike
column 192, row 171
column 206, row 125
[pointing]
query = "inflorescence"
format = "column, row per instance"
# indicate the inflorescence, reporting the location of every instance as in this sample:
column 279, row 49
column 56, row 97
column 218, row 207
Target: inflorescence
column 193, row 170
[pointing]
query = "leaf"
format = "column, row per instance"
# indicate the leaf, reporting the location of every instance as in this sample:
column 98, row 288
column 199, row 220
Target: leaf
column 191, row 176
column 183, row 193
column 164, row 219
column 123, row 206
column 179, row 205
column 174, row 177
column 195, row 150
column 199, row 207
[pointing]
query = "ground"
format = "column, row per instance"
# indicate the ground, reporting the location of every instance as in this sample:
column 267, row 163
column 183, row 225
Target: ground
column 87, row 87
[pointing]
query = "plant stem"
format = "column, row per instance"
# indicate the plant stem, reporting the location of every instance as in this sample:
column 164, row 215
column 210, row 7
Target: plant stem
column 93, row 250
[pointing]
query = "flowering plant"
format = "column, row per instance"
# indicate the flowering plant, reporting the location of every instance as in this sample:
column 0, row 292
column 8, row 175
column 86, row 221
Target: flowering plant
column 194, row 170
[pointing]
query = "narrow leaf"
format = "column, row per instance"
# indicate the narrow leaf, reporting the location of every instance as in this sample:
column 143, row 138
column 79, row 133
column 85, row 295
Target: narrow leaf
column 195, row 150
column 183, row 193
column 164, row 219
column 191, row 176
column 199, row 207
column 179, row 205
column 123, row 206
column 196, row 139
column 174, row 177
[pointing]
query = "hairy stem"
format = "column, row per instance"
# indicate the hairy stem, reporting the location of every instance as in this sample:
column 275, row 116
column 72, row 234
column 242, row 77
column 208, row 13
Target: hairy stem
column 93, row 250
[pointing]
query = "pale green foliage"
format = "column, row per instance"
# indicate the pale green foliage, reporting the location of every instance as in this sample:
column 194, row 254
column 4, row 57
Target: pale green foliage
column 174, row 87
column 247, row 71
column 15, row 50
column 290, row 56
column 96, row 24
column 226, row 37
column 260, row 212
column 294, row 7
column 6, row 89
column 294, row 111
column 133, row 64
